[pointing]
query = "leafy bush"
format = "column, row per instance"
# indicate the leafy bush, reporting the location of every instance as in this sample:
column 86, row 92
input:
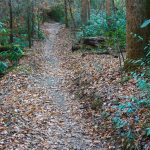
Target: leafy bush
column 145, row 24
column 3, row 67
column 15, row 54
column 131, row 118
column 57, row 13
column 22, row 42
column 97, row 26
column 3, row 34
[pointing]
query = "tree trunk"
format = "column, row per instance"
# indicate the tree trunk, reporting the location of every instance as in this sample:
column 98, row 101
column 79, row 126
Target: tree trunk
column 137, row 12
column 11, row 21
column 71, row 14
column 66, row 13
column 109, row 9
column 102, row 5
column 89, row 9
column 85, row 13
column 29, row 26
column 33, row 19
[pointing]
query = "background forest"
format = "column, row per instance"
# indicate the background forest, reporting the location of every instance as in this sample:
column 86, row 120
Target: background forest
column 116, row 29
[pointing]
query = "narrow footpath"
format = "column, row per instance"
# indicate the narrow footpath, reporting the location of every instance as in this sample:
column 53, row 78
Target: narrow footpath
column 38, row 113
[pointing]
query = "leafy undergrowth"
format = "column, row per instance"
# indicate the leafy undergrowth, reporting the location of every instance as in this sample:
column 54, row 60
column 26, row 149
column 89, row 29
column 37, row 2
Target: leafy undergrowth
column 108, row 99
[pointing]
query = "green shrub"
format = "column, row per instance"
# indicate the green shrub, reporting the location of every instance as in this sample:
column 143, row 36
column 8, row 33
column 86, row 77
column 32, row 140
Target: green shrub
column 15, row 54
column 3, row 67
column 57, row 13
column 4, row 38
column 97, row 26
column 22, row 42
column 131, row 117
column 4, row 55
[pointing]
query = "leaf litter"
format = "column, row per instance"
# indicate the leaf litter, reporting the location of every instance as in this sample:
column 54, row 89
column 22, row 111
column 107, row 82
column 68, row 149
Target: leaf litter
column 56, row 99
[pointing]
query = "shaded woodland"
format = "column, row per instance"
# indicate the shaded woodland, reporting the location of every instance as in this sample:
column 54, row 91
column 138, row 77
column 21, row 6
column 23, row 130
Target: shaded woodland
column 87, row 61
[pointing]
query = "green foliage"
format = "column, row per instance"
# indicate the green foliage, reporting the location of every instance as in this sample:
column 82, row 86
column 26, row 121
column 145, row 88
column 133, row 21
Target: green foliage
column 57, row 13
column 116, row 32
column 131, row 113
column 3, row 34
column 4, row 55
column 41, row 35
column 128, row 116
column 22, row 42
column 97, row 26
column 15, row 54
column 145, row 61
column 148, row 132
column 145, row 24
column 3, row 67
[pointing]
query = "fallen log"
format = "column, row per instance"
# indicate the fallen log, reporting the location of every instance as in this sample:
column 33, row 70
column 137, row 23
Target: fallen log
column 93, row 41
column 88, row 41
column 99, row 53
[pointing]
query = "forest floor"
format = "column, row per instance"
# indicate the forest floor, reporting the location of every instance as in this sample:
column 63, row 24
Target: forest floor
column 40, row 107
column 37, row 111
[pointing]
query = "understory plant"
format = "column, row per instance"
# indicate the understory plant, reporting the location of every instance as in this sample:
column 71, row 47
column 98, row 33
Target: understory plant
column 57, row 13
column 3, row 34
column 3, row 67
column 98, row 26
column 131, row 117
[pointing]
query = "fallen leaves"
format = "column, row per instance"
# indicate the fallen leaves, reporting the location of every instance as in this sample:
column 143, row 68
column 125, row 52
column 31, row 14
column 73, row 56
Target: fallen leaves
column 37, row 111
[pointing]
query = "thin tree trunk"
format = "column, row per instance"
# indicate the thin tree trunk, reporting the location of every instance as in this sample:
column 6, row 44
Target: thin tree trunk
column 29, row 25
column 72, row 17
column 109, row 12
column 33, row 17
column 89, row 9
column 66, row 13
column 11, row 21
column 38, row 23
column 84, row 11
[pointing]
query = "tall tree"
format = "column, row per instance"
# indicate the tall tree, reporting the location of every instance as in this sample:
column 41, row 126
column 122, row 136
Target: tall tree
column 29, row 24
column 71, row 13
column 110, row 7
column 11, row 21
column 137, row 12
column 85, row 12
column 66, row 12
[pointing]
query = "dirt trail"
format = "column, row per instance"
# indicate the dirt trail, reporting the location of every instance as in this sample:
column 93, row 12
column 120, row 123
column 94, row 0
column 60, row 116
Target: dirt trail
column 46, row 117
column 67, row 133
